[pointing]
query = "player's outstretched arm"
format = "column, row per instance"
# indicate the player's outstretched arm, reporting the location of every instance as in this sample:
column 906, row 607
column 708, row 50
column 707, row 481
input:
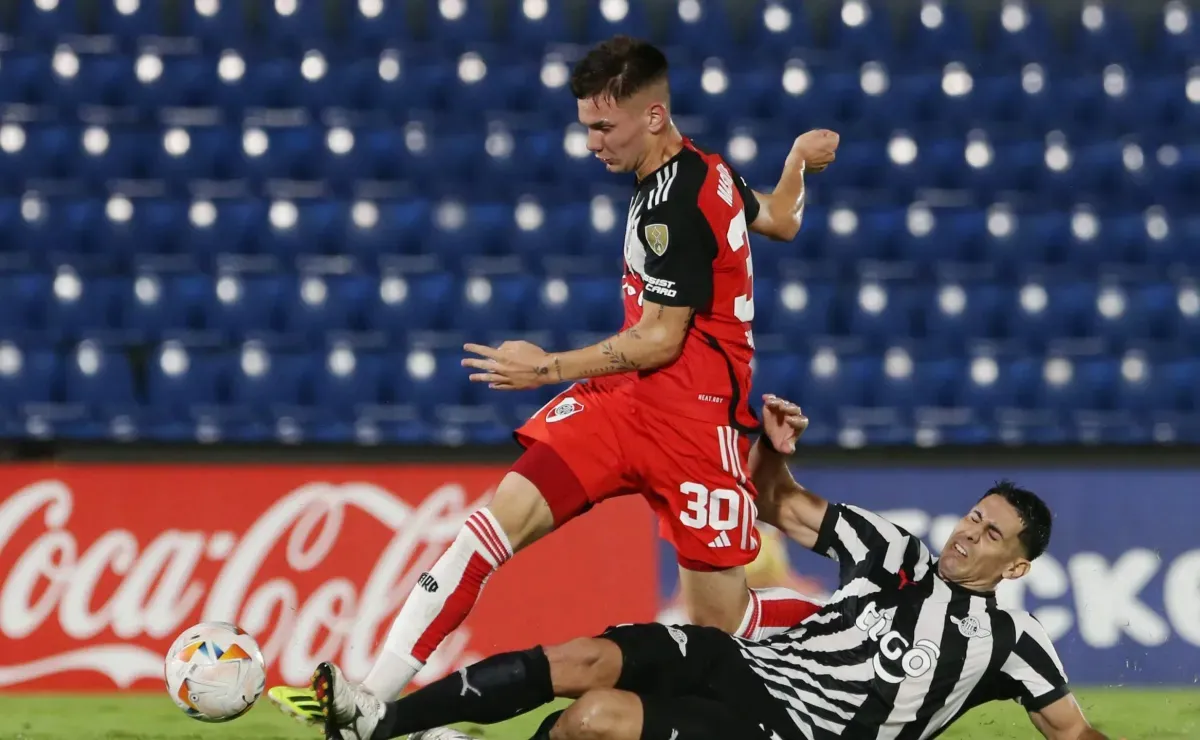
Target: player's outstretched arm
column 656, row 340
column 781, row 212
column 782, row 502
column 1064, row 720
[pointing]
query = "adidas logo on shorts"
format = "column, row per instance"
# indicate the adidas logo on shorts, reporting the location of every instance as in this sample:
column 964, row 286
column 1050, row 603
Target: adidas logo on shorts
column 722, row 540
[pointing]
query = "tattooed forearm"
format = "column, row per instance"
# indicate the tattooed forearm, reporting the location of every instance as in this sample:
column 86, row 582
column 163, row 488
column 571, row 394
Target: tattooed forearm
column 617, row 358
column 641, row 347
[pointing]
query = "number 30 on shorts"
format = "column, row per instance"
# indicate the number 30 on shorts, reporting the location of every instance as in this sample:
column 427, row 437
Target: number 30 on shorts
column 719, row 508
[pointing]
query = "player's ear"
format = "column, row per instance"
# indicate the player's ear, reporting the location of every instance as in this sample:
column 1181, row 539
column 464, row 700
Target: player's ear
column 1016, row 569
column 657, row 117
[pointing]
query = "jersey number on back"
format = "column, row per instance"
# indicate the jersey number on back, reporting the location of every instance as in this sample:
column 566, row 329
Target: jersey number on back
column 743, row 305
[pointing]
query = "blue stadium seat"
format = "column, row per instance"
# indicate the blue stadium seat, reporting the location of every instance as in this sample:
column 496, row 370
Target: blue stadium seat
column 315, row 306
column 1019, row 32
column 92, row 79
column 954, row 313
column 608, row 18
column 828, row 380
column 46, row 22
column 861, row 30
column 153, row 306
column 294, row 25
column 536, row 23
column 459, row 22
column 387, row 227
column 1103, row 34
column 777, row 28
column 701, row 24
column 428, row 378
column 348, row 381
column 99, row 377
column 27, row 375
column 938, row 33
column 129, row 22
column 26, row 78
column 374, row 25
column 245, row 306
column 571, row 304
column 1064, row 384
column 260, row 379
column 1045, row 311
column 202, row 152
column 412, row 303
column 26, row 295
column 795, row 309
column 994, row 383
column 464, row 230
column 215, row 25
column 1175, row 37
column 179, row 379
column 491, row 302
column 82, row 306
column 880, row 311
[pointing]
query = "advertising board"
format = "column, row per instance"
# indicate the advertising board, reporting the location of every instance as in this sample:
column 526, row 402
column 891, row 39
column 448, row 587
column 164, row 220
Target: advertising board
column 1118, row 590
column 102, row 566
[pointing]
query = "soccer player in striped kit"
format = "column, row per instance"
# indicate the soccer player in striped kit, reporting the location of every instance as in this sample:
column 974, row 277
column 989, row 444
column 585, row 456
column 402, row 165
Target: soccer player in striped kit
column 907, row 644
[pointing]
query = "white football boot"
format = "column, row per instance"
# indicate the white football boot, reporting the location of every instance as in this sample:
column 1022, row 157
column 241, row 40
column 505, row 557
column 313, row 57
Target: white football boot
column 440, row 733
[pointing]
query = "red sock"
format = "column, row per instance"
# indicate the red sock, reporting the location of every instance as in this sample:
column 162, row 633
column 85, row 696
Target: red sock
column 775, row 610
column 438, row 604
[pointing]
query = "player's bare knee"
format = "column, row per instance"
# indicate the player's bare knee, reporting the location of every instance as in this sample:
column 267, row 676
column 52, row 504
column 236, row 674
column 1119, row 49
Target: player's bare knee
column 521, row 511
column 602, row 714
column 582, row 665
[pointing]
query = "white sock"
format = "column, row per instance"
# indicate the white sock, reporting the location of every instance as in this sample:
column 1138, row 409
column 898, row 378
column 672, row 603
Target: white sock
column 438, row 603
column 774, row 610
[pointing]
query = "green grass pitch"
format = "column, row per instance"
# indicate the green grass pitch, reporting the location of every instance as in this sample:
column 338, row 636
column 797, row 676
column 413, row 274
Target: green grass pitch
column 1121, row 713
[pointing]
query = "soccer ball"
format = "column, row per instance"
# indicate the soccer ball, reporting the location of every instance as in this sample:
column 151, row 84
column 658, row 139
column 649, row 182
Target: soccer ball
column 215, row 672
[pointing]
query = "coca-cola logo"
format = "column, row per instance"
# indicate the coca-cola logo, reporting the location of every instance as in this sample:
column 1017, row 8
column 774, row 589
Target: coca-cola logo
column 164, row 581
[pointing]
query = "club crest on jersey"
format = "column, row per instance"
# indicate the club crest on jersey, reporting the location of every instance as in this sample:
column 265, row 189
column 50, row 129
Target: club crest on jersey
column 657, row 238
column 970, row 627
column 565, row 408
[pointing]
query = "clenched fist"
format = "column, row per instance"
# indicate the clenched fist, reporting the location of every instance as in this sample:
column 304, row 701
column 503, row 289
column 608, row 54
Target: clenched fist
column 816, row 148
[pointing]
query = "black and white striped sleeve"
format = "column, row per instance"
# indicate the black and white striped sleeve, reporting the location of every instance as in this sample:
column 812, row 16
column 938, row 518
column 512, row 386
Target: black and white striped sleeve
column 857, row 538
column 1033, row 673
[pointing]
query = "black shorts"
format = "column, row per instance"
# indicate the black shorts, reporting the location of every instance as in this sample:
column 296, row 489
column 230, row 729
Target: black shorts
column 694, row 681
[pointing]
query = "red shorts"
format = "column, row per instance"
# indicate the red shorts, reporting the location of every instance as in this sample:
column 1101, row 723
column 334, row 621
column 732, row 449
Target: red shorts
column 692, row 473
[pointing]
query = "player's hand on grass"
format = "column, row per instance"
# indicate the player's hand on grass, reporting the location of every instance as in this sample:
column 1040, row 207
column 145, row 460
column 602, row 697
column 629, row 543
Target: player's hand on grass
column 513, row 366
column 783, row 423
column 816, row 149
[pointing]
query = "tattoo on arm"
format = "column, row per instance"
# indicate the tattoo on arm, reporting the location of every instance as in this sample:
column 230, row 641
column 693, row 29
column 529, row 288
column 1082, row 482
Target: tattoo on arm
column 617, row 360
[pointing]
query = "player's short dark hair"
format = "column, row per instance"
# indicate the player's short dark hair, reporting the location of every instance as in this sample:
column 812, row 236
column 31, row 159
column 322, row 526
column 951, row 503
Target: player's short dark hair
column 1034, row 512
column 618, row 68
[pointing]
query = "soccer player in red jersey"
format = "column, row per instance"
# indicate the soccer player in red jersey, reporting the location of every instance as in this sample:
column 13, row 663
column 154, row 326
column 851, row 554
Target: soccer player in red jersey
column 661, row 409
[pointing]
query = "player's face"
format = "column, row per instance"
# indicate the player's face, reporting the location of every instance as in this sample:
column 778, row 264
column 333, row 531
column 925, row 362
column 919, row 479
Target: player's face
column 984, row 547
column 616, row 131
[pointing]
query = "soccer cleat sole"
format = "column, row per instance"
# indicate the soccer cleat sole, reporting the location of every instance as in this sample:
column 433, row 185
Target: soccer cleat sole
column 322, row 686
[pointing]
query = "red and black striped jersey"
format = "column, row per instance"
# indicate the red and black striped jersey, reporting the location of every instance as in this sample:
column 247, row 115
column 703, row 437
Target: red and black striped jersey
column 687, row 243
